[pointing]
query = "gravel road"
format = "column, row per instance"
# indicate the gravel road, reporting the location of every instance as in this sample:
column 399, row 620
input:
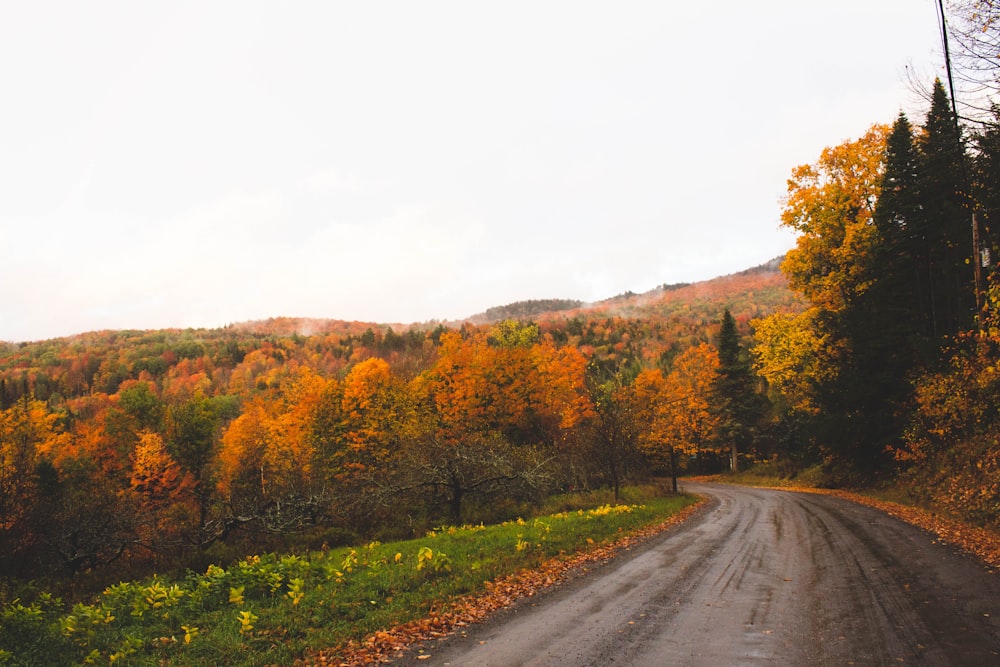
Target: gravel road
column 756, row 577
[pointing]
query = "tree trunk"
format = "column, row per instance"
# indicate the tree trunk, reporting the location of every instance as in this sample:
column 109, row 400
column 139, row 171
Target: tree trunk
column 455, row 502
column 673, row 467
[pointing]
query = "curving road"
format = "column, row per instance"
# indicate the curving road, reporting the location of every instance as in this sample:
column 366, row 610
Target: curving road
column 756, row 577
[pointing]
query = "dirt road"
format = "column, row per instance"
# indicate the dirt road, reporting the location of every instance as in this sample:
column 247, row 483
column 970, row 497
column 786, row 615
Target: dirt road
column 757, row 577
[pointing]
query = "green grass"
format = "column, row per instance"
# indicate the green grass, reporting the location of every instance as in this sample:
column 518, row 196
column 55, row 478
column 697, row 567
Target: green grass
column 773, row 475
column 270, row 609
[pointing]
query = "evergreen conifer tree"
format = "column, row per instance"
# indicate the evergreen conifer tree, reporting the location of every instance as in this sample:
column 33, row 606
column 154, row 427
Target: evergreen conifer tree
column 738, row 405
column 881, row 332
column 943, row 227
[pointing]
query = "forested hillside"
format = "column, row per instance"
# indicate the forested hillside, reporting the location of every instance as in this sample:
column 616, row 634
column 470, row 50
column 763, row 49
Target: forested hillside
column 158, row 449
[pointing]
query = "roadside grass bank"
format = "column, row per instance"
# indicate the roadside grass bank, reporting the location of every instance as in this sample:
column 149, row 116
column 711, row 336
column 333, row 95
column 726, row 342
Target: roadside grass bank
column 894, row 500
column 775, row 476
column 270, row 609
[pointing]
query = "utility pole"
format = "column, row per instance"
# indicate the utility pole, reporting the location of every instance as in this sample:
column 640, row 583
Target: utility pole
column 977, row 256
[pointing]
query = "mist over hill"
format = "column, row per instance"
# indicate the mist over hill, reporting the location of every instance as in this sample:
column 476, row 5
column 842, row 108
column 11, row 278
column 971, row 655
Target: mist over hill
column 750, row 293
column 753, row 292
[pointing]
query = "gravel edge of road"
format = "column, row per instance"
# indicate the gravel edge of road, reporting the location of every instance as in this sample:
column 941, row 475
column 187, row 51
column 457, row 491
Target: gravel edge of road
column 386, row 645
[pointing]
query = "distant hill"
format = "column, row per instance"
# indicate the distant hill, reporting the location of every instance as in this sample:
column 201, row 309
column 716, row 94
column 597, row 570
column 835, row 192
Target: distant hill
column 754, row 292
column 310, row 326
column 522, row 310
column 751, row 293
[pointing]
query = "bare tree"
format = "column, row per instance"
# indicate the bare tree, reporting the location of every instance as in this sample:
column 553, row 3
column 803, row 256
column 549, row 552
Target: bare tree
column 971, row 45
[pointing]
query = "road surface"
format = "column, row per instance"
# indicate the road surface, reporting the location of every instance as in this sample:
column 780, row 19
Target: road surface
column 756, row 577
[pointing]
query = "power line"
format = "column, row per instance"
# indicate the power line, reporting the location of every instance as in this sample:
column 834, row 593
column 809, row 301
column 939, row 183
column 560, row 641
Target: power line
column 976, row 250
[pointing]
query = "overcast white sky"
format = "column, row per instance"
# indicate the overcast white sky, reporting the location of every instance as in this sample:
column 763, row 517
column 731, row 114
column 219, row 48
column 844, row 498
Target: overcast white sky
column 175, row 164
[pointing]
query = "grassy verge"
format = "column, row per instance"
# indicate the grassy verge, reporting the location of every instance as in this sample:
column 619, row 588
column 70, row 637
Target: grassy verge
column 772, row 476
column 272, row 609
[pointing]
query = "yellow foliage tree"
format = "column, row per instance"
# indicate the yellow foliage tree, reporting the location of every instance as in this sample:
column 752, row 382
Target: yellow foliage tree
column 787, row 353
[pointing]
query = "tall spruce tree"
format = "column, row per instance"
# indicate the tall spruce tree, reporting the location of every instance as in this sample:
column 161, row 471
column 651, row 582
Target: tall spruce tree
column 886, row 320
column 891, row 270
column 738, row 405
column 881, row 330
column 942, row 231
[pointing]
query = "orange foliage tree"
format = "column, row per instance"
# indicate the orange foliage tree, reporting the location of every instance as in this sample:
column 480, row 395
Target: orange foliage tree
column 491, row 409
column 267, row 457
column 161, row 494
column 677, row 410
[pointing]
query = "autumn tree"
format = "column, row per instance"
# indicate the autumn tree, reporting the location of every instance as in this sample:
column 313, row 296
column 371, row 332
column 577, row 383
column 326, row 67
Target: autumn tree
column 242, row 470
column 193, row 431
column 133, row 410
column 67, row 515
column 677, row 411
column 832, row 205
column 24, row 426
column 655, row 437
column 790, row 353
column 613, row 431
column 377, row 412
column 693, row 424
column 161, row 492
column 491, row 412
column 269, row 467
column 559, row 400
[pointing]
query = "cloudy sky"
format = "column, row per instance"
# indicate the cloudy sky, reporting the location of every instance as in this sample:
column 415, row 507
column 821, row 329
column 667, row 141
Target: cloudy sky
column 175, row 164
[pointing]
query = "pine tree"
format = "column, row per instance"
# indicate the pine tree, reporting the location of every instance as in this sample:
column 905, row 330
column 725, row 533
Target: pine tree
column 738, row 406
column 942, row 231
column 885, row 322
column 892, row 267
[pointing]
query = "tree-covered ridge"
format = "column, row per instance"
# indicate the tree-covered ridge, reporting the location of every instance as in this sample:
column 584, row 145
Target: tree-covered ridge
column 749, row 294
column 100, row 361
column 520, row 310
